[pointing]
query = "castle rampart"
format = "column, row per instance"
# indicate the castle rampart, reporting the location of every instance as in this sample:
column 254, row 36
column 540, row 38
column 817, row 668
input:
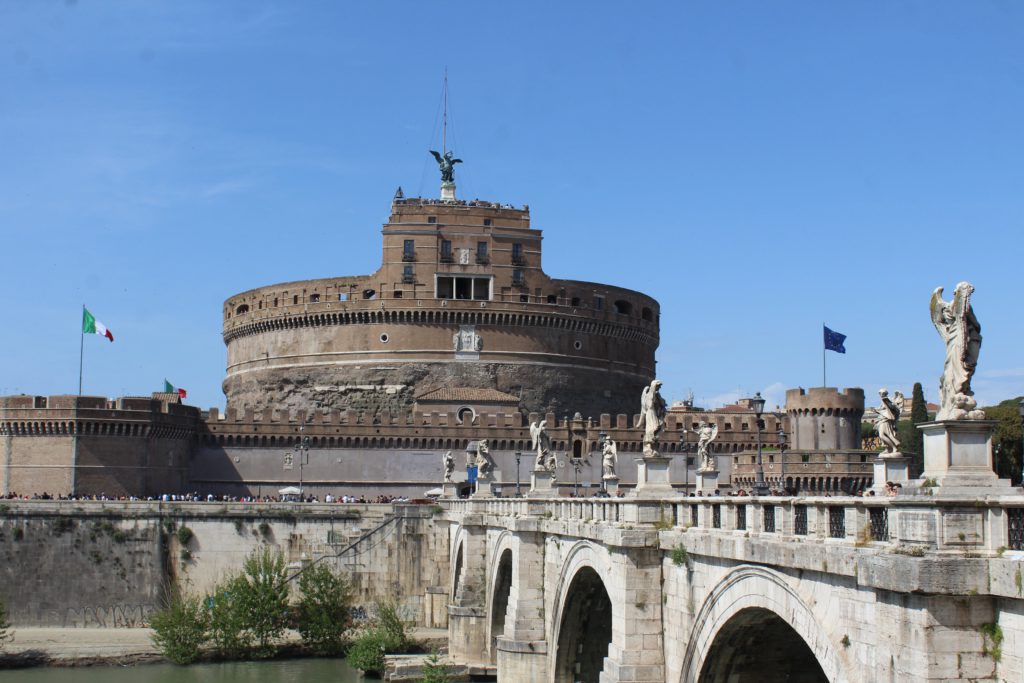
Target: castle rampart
column 823, row 418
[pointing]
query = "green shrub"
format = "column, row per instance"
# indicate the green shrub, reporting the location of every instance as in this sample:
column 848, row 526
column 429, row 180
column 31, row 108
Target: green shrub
column 185, row 535
column 180, row 628
column 434, row 671
column 263, row 597
column 387, row 635
column 679, row 555
column 227, row 620
column 323, row 610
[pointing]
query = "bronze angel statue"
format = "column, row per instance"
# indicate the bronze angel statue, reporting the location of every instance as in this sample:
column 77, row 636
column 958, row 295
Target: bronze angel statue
column 447, row 165
column 958, row 327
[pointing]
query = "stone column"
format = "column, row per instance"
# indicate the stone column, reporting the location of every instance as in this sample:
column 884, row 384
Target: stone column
column 522, row 649
column 636, row 653
column 467, row 613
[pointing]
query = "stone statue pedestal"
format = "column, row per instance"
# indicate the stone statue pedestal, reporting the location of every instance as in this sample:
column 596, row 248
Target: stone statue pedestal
column 483, row 487
column 542, row 485
column 706, row 482
column 958, row 458
column 652, row 477
column 448, row 192
column 449, row 490
column 611, row 485
column 893, row 467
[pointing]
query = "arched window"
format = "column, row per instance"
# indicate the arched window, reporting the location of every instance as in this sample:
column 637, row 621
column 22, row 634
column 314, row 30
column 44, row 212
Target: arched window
column 244, row 308
column 623, row 307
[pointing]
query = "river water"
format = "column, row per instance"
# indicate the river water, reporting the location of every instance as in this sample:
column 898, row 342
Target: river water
column 283, row 671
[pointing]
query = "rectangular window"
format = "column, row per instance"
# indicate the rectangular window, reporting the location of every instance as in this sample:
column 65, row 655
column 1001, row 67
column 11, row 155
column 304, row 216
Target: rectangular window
column 409, row 250
column 805, row 457
column 741, row 517
column 575, row 301
column 598, row 303
column 745, row 427
column 552, row 299
column 769, row 519
column 837, row 522
column 800, row 520
column 431, row 219
column 446, row 250
column 517, row 254
column 481, row 252
column 343, row 296
column 408, row 275
column 728, row 426
column 314, row 298
column 467, row 288
column 487, row 222
column 517, row 276
column 524, row 298
column 716, row 516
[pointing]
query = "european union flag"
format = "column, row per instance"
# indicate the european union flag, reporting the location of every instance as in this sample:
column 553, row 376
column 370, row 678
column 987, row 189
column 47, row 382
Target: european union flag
column 834, row 341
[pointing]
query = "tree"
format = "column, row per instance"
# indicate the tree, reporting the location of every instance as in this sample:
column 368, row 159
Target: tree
column 180, row 629
column 434, row 670
column 386, row 635
column 262, row 595
column 323, row 611
column 1006, row 441
column 227, row 619
column 918, row 414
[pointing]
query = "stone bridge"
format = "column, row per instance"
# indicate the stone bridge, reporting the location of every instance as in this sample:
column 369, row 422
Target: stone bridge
column 733, row 589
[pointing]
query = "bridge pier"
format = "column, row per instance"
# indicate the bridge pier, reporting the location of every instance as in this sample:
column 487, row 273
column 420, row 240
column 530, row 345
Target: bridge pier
column 636, row 653
column 467, row 613
column 522, row 651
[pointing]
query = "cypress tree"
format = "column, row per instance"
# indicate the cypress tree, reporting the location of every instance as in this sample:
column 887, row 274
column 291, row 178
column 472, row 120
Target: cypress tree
column 918, row 414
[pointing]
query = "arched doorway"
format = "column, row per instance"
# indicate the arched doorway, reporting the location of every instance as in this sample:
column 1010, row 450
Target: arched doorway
column 499, row 600
column 585, row 630
column 757, row 646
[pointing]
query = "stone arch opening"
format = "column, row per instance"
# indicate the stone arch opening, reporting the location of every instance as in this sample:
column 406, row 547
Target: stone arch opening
column 457, row 574
column 499, row 600
column 585, row 630
column 758, row 646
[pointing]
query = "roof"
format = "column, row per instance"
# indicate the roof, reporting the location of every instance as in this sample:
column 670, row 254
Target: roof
column 467, row 395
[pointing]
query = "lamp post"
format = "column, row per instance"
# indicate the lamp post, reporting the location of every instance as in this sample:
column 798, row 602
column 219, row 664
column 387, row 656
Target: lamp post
column 782, row 458
column 301, row 452
column 760, row 487
column 577, row 465
column 519, row 456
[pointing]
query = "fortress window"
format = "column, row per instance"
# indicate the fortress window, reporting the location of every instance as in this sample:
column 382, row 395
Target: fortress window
column 465, row 288
column 446, row 250
column 728, row 426
column 517, row 277
column 598, row 303
column 369, row 293
column 524, row 298
column 623, row 307
column 431, row 219
column 314, row 298
column 407, row 275
column 244, row 308
column 398, row 294
column 295, row 299
column 342, row 296
column 575, row 301
column 552, row 299
column 487, row 221
column 481, row 252
column 408, row 250
column 517, row 254
column 745, row 427
column 275, row 302
column 646, row 314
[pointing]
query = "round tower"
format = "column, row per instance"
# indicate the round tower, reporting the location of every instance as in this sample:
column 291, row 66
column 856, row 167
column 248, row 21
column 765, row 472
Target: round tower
column 823, row 418
column 460, row 300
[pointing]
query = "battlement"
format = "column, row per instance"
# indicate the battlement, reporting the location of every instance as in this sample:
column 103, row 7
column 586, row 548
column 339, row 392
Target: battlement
column 66, row 415
column 825, row 400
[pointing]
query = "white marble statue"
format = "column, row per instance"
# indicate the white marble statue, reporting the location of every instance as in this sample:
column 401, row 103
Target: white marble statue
column 652, row 416
column 886, row 417
column 484, row 464
column 449, row 466
column 609, row 458
column 541, row 442
column 552, row 466
column 705, row 435
column 960, row 330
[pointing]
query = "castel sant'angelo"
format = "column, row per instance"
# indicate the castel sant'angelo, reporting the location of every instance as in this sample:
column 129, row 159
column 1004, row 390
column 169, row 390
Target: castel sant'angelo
column 358, row 384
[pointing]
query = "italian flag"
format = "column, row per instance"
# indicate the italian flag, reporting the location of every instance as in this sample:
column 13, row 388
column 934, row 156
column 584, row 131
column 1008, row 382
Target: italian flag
column 171, row 389
column 90, row 325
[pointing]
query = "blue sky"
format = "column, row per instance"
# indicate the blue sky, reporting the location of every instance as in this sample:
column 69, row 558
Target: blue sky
column 759, row 168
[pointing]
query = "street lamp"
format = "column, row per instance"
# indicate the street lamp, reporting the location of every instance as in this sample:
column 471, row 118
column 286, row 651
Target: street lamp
column 519, row 456
column 760, row 487
column 577, row 465
column 782, row 458
column 302, row 453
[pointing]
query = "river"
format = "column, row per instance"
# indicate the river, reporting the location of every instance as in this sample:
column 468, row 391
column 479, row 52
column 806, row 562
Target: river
column 281, row 671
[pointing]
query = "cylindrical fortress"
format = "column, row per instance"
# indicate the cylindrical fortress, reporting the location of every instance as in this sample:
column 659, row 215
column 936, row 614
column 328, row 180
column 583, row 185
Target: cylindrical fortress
column 822, row 418
column 460, row 300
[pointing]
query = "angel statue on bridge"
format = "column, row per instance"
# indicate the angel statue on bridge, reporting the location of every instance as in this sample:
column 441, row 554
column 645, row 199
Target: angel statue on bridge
column 541, row 442
column 958, row 327
column 705, row 435
column 652, row 417
column 447, row 165
column 887, row 416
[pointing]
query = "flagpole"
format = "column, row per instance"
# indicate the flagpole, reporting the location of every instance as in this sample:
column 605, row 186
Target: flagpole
column 81, row 350
column 824, row 374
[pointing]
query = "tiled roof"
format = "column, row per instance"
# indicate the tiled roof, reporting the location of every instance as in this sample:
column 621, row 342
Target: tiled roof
column 467, row 395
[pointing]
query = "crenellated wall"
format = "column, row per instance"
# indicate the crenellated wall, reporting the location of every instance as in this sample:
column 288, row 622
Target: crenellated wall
column 823, row 418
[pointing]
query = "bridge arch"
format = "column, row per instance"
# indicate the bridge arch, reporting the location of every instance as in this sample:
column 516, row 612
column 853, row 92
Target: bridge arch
column 581, row 630
column 749, row 597
column 457, row 561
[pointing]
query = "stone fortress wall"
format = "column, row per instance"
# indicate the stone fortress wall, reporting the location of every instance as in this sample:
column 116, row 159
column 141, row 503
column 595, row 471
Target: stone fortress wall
column 825, row 418
column 460, row 299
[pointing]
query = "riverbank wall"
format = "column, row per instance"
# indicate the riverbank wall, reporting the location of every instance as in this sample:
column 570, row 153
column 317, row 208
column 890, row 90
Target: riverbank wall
column 105, row 564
